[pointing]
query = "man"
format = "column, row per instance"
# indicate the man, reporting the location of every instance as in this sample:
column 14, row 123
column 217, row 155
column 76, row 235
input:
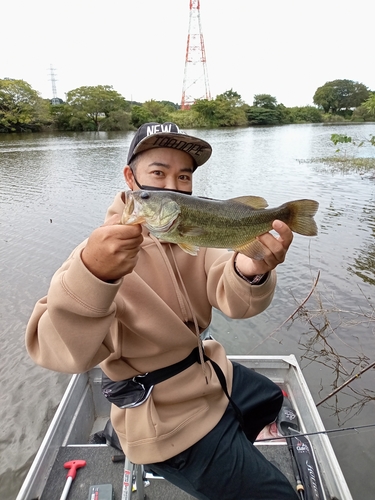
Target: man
column 137, row 305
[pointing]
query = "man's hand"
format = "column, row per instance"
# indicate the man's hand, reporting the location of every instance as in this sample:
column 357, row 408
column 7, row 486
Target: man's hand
column 275, row 249
column 112, row 249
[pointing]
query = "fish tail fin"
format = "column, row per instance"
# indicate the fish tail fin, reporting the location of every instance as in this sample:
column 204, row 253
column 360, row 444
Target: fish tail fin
column 301, row 217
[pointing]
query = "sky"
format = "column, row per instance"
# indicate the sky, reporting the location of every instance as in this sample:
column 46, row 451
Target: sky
column 284, row 48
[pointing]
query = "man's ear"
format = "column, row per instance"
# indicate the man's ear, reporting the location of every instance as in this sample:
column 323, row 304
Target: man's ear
column 129, row 177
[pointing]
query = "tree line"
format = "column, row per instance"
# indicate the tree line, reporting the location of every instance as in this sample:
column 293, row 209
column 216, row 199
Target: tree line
column 103, row 108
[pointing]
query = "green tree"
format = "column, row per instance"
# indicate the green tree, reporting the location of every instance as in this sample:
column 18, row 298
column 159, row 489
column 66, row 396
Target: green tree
column 91, row 107
column 21, row 107
column 158, row 111
column 369, row 105
column 265, row 101
column 171, row 105
column 117, row 120
column 187, row 118
column 231, row 96
column 61, row 115
column 206, row 110
column 283, row 114
column 266, row 111
column 305, row 114
column 226, row 110
column 340, row 95
column 366, row 111
column 152, row 111
column 140, row 115
column 257, row 115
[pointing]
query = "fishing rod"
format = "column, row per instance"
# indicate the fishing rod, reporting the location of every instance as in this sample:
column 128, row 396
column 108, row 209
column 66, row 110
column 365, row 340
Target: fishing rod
column 299, row 485
column 328, row 431
column 305, row 469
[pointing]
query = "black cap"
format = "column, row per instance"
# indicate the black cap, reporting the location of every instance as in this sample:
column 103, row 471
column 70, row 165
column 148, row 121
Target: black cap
column 168, row 135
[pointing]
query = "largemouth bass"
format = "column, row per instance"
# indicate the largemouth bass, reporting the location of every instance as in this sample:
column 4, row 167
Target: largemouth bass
column 192, row 222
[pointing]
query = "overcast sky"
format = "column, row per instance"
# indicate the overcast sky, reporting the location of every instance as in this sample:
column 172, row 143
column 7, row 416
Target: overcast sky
column 285, row 48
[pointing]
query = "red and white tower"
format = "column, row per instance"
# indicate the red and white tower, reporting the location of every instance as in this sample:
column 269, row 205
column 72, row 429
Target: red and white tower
column 195, row 84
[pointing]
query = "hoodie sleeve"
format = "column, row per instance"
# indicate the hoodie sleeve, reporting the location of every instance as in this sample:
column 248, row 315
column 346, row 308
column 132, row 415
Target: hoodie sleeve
column 69, row 329
column 231, row 294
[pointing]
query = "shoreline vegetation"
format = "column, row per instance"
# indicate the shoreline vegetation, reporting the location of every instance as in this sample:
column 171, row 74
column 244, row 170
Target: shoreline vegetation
column 101, row 108
column 345, row 160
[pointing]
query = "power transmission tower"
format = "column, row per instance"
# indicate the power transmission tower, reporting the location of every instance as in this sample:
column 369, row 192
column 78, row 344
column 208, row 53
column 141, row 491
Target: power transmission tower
column 54, row 99
column 195, row 85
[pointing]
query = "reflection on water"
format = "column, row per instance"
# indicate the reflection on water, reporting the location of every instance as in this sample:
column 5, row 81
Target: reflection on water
column 55, row 189
column 364, row 263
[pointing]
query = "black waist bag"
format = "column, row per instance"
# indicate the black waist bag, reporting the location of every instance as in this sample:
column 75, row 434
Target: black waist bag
column 125, row 393
column 132, row 392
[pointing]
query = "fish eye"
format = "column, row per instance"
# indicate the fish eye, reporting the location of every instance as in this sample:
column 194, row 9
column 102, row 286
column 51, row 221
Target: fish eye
column 145, row 195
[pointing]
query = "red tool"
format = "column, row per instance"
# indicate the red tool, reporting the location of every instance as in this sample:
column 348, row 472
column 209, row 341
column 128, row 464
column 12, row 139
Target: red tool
column 73, row 465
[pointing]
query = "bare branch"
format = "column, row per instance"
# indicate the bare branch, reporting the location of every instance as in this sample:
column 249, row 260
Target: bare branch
column 291, row 316
column 346, row 383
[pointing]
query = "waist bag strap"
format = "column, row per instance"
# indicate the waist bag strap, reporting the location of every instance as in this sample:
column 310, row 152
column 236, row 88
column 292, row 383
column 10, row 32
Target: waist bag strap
column 158, row 376
column 220, row 375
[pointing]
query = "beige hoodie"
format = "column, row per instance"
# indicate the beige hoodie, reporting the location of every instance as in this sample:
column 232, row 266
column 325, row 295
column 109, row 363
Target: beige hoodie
column 144, row 322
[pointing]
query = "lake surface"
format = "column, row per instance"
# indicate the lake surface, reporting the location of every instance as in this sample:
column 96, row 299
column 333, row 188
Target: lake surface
column 55, row 189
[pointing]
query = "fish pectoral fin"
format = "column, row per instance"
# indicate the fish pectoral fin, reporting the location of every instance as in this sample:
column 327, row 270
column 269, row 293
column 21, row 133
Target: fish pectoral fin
column 254, row 249
column 190, row 249
column 191, row 230
column 251, row 201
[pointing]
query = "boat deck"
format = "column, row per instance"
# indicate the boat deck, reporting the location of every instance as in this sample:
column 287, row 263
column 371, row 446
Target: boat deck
column 100, row 469
column 84, row 411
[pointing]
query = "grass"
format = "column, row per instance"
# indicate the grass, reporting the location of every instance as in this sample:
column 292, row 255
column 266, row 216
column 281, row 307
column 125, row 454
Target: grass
column 346, row 164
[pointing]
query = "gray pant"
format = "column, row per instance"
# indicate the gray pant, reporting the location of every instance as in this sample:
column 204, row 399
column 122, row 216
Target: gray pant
column 225, row 465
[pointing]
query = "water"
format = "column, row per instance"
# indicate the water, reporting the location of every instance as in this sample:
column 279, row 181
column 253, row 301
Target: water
column 55, row 189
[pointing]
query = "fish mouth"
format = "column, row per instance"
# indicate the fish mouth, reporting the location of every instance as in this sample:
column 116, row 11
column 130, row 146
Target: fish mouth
column 130, row 214
column 158, row 220
column 133, row 213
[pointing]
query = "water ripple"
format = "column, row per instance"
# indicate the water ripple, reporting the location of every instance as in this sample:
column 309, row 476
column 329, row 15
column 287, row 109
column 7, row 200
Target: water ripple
column 55, row 189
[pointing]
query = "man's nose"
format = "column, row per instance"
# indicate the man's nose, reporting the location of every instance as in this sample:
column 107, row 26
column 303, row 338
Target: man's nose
column 170, row 183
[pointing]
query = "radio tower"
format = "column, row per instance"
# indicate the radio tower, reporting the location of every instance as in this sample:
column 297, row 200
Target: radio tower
column 195, row 84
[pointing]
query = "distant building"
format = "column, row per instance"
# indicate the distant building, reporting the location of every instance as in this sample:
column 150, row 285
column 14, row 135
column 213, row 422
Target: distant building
column 56, row 100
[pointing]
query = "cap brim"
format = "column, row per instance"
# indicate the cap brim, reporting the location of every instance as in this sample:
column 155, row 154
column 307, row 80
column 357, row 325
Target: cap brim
column 198, row 149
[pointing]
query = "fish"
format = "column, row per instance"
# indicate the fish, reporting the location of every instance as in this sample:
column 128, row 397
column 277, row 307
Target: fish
column 192, row 222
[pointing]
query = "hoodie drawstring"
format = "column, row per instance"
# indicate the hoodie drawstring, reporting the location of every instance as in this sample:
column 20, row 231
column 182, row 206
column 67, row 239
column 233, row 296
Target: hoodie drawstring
column 181, row 297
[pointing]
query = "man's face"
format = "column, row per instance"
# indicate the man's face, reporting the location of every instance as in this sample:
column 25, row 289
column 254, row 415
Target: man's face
column 164, row 168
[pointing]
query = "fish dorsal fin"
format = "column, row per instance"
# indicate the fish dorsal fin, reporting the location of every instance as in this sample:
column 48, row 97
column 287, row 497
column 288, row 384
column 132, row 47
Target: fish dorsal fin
column 190, row 249
column 251, row 201
column 253, row 249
